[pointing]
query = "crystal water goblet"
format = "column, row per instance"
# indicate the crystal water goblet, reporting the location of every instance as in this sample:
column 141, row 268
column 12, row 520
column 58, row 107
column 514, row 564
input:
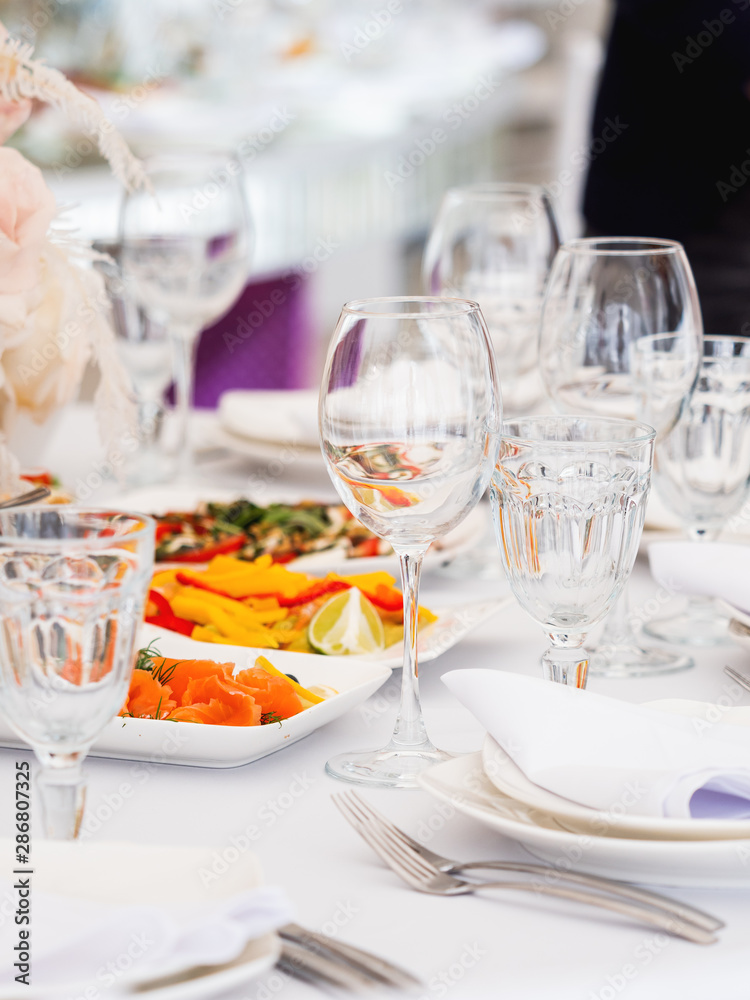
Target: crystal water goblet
column 603, row 297
column 569, row 498
column 702, row 473
column 73, row 583
column 409, row 415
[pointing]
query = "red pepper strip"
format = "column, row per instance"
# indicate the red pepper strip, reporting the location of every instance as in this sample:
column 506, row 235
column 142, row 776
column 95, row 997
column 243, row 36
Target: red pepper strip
column 165, row 617
column 312, row 593
column 286, row 558
column 188, row 580
column 167, row 529
column 233, row 544
column 386, row 598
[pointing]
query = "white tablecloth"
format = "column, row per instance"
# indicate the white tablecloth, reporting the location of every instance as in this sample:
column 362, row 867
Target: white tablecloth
column 496, row 945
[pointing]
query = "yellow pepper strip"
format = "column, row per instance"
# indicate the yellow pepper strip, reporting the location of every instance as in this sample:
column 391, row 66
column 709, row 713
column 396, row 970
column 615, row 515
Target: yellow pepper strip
column 367, row 581
column 426, row 617
column 246, row 616
column 194, row 611
column 262, row 603
column 264, row 664
column 201, row 634
column 203, row 613
column 164, row 577
column 231, row 629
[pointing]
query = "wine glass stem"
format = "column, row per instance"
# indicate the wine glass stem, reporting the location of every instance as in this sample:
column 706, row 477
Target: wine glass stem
column 567, row 664
column 410, row 730
column 63, row 793
column 183, row 344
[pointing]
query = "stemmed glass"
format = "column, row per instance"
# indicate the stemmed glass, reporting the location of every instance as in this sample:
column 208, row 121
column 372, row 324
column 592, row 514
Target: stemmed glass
column 569, row 498
column 409, row 415
column 702, row 472
column 146, row 354
column 604, row 297
column 72, row 588
column 494, row 243
column 185, row 256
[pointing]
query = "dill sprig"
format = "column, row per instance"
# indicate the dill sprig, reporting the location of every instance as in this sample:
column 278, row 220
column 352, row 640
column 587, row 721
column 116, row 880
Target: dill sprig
column 146, row 660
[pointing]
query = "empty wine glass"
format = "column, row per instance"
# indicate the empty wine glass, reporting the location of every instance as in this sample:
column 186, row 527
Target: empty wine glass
column 569, row 498
column 185, row 255
column 72, row 588
column 603, row 297
column 146, row 354
column 409, row 416
column 494, row 243
column 702, row 472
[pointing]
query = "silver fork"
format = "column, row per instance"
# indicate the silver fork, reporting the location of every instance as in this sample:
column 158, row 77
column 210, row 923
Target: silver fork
column 384, row 973
column 358, row 811
column 421, row 874
column 736, row 676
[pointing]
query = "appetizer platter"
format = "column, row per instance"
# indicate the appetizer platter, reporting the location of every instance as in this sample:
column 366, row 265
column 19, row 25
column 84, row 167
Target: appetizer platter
column 223, row 734
column 194, row 524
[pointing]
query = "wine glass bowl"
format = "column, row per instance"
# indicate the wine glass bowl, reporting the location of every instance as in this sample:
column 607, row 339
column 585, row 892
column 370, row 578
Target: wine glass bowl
column 72, row 589
column 569, row 497
column 603, row 297
column 702, row 472
column 409, row 414
column 620, row 336
column 185, row 249
column 493, row 243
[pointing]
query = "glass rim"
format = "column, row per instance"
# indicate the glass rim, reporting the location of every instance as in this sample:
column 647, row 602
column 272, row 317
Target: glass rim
column 449, row 306
column 147, row 526
column 612, row 246
column 486, row 190
column 643, row 432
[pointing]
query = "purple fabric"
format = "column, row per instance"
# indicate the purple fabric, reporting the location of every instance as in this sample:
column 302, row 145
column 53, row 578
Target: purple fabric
column 263, row 342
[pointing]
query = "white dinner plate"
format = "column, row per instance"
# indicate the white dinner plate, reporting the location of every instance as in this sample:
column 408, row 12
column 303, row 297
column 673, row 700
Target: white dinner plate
column 706, row 863
column 508, row 778
column 161, row 499
column 108, row 872
column 157, row 741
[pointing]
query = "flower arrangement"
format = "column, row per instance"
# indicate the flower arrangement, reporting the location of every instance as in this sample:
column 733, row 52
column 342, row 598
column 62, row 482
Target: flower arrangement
column 54, row 314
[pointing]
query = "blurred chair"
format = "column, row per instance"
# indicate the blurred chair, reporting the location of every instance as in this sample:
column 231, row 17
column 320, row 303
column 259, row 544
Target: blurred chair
column 263, row 342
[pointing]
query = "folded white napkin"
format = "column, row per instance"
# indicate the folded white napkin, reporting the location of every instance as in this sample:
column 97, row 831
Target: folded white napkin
column 281, row 416
column 605, row 753
column 110, row 915
column 711, row 569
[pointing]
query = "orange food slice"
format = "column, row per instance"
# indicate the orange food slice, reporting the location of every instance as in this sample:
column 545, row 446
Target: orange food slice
column 181, row 672
column 275, row 695
column 148, row 698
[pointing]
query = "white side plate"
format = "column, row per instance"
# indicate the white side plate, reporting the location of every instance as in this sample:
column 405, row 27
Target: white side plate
column 705, row 863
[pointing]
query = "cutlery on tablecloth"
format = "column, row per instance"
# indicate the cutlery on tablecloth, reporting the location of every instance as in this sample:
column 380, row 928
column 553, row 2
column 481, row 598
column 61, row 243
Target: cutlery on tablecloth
column 326, row 972
column 364, row 962
column 742, row 679
column 411, row 863
column 356, row 810
column 31, row 496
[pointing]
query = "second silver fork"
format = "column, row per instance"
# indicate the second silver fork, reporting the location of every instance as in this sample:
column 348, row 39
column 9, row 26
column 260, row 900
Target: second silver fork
column 386, row 838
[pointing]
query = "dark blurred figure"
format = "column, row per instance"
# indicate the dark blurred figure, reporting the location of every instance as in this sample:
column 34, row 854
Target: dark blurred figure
column 676, row 83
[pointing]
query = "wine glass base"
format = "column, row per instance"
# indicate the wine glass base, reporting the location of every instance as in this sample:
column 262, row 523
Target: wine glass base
column 630, row 660
column 391, row 767
column 690, row 629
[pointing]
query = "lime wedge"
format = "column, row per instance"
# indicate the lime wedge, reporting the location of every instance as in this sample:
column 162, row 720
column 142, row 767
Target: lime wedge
column 347, row 623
